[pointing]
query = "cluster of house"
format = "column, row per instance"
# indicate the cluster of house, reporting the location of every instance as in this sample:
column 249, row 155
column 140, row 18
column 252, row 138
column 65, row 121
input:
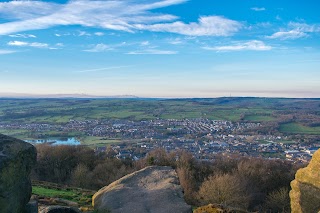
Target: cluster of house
column 202, row 137
column 204, row 149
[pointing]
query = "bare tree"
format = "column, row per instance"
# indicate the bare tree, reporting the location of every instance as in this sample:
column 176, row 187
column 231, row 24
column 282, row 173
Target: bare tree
column 224, row 189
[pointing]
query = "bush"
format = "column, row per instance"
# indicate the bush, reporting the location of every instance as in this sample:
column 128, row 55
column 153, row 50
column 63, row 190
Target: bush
column 224, row 189
column 278, row 201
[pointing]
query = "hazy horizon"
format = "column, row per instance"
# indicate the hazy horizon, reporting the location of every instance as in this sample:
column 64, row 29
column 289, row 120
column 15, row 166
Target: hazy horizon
column 25, row 95
column 160, row 48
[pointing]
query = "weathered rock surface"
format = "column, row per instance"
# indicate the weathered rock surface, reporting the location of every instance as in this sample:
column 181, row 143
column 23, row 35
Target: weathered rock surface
column 211, row 208
column 305, row 193
column 16, row 161
column 153, row 189
column 59, row 209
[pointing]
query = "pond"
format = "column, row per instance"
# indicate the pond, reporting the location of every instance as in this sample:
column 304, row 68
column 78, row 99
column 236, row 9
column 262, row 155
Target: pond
column 56, row 141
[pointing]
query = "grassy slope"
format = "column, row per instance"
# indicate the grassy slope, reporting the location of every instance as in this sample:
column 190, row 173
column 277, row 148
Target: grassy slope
column 51, row 190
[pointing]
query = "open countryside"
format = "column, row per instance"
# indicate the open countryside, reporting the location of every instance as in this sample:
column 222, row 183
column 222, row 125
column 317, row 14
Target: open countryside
column 267, row 127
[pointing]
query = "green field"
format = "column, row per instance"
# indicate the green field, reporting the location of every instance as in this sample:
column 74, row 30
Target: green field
column 61, row 111
column 91, row 140
column 296, row 128
column 259, row 118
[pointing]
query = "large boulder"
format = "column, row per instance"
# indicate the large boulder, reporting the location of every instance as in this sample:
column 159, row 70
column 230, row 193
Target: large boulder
column 153, row 189
column 16, row 161
column 305, row 193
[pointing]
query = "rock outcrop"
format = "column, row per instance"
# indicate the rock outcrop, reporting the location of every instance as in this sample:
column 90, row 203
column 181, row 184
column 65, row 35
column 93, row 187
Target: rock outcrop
column 153, row 189
column 305, row 193
column 16, row 161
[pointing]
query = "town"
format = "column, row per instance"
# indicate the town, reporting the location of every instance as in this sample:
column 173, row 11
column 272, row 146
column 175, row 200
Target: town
column 202, row 137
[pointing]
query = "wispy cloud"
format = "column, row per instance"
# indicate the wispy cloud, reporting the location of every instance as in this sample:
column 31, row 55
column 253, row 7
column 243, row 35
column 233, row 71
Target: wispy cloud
column 99, row 33
column 121, row 15
column 114, row 15
column 23, row 36
column 176, row 41
column 99, row 48
column 152, row 52
column 258, row 9
column 145, row 43
column 4, row 52
column 284, row 35
column 206, row 26
column 27, row 44
column 250, row 45
column 295, row 30
column 103, row 69
column 84, row 33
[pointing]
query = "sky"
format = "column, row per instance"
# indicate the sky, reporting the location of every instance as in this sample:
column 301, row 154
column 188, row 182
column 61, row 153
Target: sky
column 161, row 48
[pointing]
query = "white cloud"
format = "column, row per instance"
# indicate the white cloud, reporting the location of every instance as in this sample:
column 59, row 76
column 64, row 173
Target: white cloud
column 4, row 52
column 176, row 41
column 295, row 31
column 84, row 33
column 250, row 45
column 99, row 33
column 207, row 26
column 152, row 52
column 305, row 27
column 258, row 9
column 17, row 43
column 28, row 44
column 17, row 10
column 59, row 44
column 99, row 48
column 284, row 35
column 145, row 43
column 119, row 15
column 23, row 36
column 115, row 15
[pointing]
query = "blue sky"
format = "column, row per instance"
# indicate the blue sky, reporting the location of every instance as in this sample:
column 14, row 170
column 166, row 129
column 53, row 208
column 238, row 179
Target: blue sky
column 161, row 48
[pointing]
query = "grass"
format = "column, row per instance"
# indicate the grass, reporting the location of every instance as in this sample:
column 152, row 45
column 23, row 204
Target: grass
column 69, row 195
column 296, row 128
column 51, row 190
column 259, row 118
column 91, row 140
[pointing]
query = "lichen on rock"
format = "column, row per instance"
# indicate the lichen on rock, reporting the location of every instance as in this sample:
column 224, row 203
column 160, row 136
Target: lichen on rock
column 16, row 161
column 305, row 193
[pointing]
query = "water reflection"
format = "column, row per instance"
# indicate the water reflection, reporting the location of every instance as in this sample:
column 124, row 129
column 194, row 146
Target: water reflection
column 56, row 141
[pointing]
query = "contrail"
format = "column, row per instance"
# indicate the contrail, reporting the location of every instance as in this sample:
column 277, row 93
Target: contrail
column 106, row 68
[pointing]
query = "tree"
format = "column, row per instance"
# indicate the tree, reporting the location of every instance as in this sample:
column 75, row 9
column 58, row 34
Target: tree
column 79, row 176
column 278, row 200
column 224, row 189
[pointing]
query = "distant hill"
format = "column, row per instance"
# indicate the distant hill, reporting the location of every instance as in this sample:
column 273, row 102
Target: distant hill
column 26, row 95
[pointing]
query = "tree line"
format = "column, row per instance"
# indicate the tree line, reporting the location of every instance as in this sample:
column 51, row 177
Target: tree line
column 253, row 184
